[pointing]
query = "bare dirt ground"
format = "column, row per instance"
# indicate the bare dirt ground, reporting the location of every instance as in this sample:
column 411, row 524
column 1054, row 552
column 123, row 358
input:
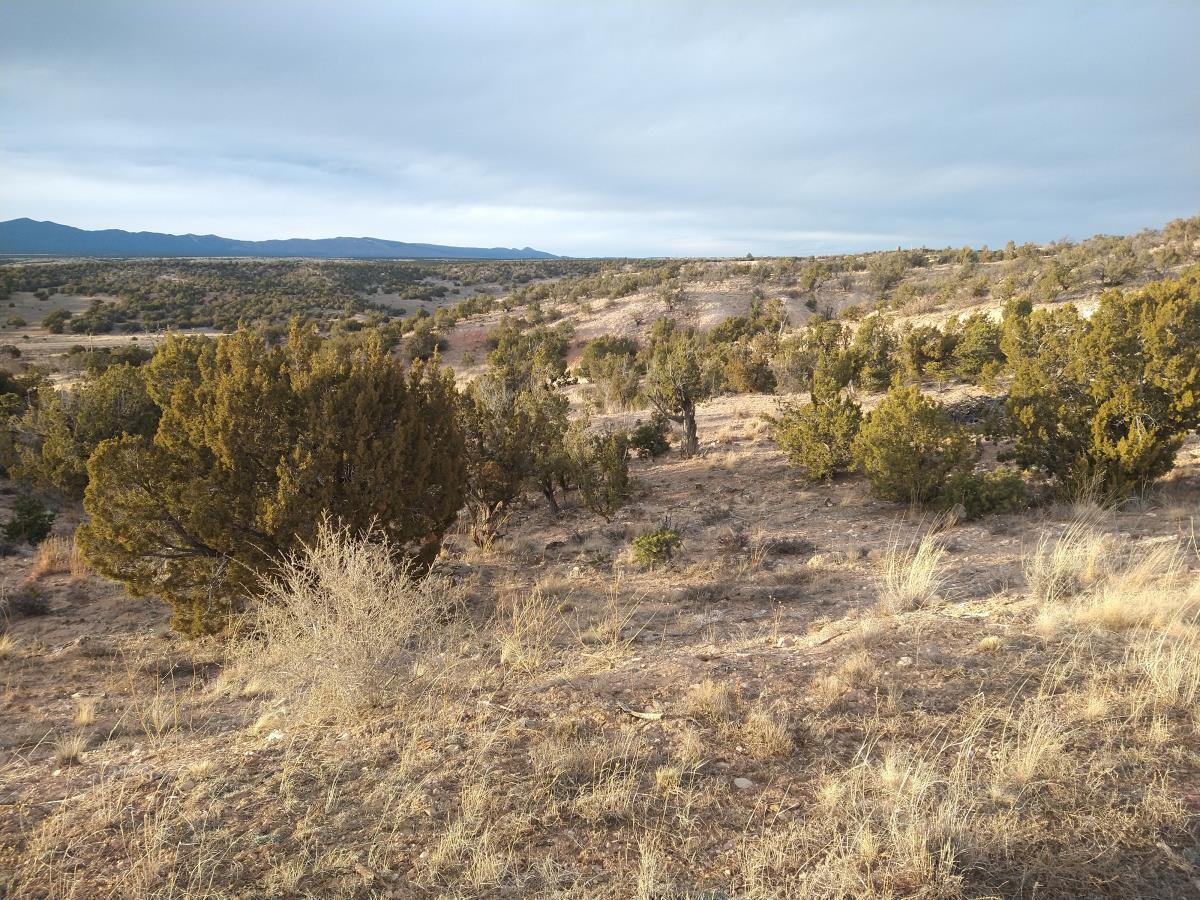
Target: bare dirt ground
column 764, row 716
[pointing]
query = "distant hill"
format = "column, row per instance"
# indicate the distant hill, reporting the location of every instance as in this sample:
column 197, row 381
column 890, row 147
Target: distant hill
column 26, row 236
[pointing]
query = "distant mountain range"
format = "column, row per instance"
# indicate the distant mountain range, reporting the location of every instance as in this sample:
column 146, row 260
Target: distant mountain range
column 28, row 237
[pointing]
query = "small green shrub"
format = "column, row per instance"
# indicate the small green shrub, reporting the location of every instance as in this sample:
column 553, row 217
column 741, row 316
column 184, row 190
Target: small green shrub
column 817, row 437
column 909, row 446
column 599, row 466
column 985, row 493
column 656, row 547
column 30, row 521
column 648, row 440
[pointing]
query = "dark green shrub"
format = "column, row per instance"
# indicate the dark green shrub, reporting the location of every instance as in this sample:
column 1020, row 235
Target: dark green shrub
column 592, row 363
column 817, row 436
column 748, row 371
column 656, row 547
column 909, row 446
column 60, row 430
column 254, row 444
column 977, row 356
column 56, row 321
column 874, row 351
column 985, row 493
column 30, row 521
column 1105, row 403
column 599, row 466
column 925, row 350
column 648, row 440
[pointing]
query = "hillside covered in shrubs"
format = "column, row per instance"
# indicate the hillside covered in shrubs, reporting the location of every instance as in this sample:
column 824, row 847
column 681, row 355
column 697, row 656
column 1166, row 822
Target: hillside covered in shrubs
column 858, row 576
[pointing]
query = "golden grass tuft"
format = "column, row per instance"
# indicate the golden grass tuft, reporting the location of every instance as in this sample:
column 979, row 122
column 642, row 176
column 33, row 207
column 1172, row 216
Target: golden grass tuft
column 68, row 750
column 1147, row 588
column 912, row 574
column 57, row 554
column 711, row 702
column 991, row 643
column 766, row 735
column 9, row 646
column 1060, row 567
column 85, row 712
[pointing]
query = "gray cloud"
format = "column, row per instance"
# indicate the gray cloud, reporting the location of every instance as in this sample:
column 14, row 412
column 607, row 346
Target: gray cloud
column 603, row 128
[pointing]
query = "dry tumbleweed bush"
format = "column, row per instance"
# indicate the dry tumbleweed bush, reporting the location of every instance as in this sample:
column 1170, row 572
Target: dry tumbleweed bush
column 344, row 624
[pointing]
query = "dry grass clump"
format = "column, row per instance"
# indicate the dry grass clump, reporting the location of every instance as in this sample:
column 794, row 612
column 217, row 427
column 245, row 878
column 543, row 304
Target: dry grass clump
column 614, row 626
column 526, row 630
column 856, row 668
column 85, row 712
column 1033, row 748
column 711, row 702
column 343, row 623
column 912, row 573
column 1148, row 588
column 1168, row 670
column 9, row 646
column 58, row 554
column 991, row 643
column 766, row 735
column 1060, row 567
column 69, row 749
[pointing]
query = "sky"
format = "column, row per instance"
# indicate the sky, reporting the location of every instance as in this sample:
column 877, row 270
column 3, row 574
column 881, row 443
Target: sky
column 588, row 128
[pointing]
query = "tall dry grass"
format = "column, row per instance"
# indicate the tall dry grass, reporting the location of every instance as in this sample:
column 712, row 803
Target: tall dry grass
column 56, row 554
column 1061, row 566
column 344, row 625
column 913, row 575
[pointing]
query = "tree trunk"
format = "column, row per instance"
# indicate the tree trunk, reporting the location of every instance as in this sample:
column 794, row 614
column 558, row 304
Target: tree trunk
column 690, row 442
column 548, row 493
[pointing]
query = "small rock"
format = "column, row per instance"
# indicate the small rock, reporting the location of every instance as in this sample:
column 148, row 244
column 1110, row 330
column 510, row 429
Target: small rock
column 904, row 661
column 742, row 783
column 275, row 735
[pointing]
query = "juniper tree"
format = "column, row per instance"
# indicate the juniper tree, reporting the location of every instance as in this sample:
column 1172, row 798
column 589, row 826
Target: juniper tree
column 600, row 468
column 61, row 428
column 498, row 453
column 874, row 353
column 677, row 379
column 1106, row 402
column 908, row 447
column 255, row 445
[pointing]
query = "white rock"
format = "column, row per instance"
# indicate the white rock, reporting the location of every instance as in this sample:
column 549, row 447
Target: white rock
column 742, row 783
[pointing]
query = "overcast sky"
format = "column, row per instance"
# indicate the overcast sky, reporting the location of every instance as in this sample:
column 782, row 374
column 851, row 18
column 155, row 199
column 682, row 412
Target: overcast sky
column 603, row 128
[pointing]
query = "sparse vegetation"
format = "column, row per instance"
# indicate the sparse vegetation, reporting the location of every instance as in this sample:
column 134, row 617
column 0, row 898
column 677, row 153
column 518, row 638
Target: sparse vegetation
column 656, row 547
column 820, row 697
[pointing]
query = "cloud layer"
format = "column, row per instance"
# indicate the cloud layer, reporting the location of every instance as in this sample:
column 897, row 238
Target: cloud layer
column 609, row 128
